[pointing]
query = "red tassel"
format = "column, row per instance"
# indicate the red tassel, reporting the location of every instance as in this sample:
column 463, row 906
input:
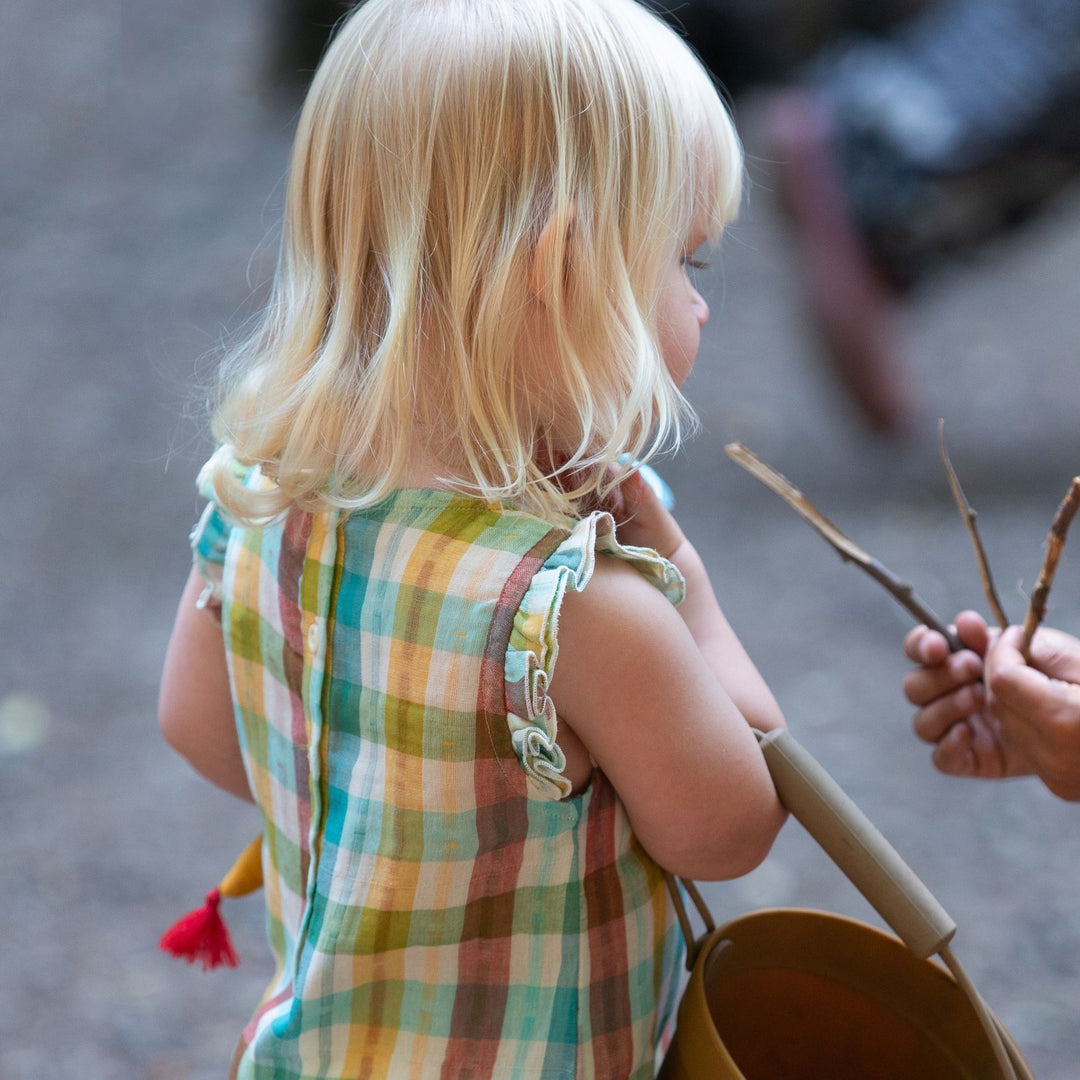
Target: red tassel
column 201, row 935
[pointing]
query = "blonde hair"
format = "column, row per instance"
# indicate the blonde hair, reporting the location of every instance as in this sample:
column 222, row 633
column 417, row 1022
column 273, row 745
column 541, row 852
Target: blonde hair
column 440, row 140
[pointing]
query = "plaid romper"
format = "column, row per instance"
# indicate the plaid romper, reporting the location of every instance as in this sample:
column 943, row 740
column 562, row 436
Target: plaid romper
column 438, row 903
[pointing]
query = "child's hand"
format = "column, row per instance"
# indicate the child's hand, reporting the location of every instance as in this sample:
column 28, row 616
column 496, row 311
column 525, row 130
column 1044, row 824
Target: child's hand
column 953, row 713
column 642, row 519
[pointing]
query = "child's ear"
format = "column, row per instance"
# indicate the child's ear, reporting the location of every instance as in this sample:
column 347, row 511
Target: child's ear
column 551, row 257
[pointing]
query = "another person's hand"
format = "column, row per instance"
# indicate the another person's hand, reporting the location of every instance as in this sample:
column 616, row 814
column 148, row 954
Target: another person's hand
column 989, row 713
column 954, row 713
column 1037, row 705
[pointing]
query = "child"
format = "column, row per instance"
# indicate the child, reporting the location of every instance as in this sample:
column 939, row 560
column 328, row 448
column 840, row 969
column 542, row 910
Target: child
column 473, row 718
column 990, row 712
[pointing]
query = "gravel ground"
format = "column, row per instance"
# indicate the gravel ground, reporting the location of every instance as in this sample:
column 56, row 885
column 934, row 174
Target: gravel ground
column 143, row 165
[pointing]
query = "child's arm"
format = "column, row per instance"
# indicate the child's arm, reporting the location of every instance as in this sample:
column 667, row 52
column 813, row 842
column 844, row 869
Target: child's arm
column 645, row 688
column 647, row 523
column 195, row 705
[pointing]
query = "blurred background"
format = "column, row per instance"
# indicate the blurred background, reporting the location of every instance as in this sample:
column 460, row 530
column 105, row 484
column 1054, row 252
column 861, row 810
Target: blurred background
column 144, row 150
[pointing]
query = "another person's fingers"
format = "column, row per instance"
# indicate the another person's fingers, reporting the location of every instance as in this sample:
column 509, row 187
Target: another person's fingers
column 1039, row 715
column 925, row 646
column 989, row 755
column 1029, row 697
column 933, row 721
column 924, row 684
column 1055, row 654
column 953, row 753
column 972, row 630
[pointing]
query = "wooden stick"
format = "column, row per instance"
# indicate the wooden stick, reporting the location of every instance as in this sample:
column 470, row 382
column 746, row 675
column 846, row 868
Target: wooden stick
column 969, row 515
column 1055, row 542
column 848, row 551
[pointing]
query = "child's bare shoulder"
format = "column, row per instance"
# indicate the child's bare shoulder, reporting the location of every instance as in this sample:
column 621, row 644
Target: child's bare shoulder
column 618, row 626
column 618, row 591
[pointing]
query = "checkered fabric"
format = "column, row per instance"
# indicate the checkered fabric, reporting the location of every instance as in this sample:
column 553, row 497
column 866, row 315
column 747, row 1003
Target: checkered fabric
column 438, row 903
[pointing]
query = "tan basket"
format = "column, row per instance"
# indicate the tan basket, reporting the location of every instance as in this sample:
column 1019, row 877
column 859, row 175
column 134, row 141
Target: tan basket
column 787, row 994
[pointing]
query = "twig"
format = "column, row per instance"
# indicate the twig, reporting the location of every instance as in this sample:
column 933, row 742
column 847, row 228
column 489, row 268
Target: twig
column 1055, row 542
column 969, row 515
column 848, row 551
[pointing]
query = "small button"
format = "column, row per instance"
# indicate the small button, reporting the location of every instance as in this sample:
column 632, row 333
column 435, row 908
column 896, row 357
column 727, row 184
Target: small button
column 314, row 637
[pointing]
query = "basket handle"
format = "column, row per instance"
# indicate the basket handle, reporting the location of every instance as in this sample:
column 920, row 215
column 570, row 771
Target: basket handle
column 871, row 864
column 849, row 838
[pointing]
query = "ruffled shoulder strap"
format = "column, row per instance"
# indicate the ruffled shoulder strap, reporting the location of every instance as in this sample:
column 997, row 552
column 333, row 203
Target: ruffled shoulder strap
column 534, row 646
column 210, row 537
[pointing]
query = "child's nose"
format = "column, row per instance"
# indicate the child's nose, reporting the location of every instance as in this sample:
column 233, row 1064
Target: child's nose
column 701, row 309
